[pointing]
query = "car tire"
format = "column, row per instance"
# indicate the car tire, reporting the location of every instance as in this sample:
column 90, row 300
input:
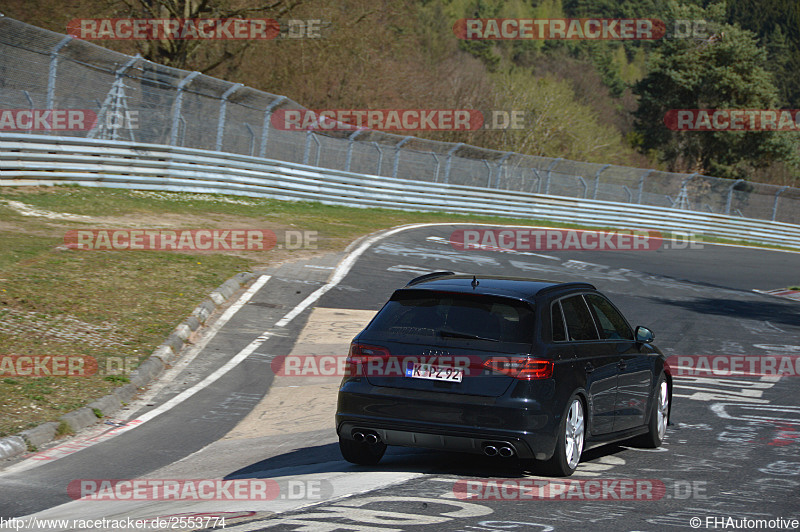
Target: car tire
column 361, row 453
column 570, row 439
column 659, row 417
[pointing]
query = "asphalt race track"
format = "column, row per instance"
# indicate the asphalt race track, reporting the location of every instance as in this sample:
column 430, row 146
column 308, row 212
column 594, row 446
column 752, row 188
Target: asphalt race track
column 732, row 451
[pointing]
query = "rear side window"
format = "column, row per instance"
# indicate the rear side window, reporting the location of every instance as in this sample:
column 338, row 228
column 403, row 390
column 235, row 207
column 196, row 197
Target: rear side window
column 559, row 333
column 455, row 316
column 612, row 325
column 580, row 324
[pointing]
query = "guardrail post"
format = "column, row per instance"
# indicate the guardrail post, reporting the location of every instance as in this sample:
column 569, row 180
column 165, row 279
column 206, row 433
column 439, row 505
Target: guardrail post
column 176, row 112
column 775, row 205
column 641, row 185
column 351, row 139
column 262, row 152
column 222, row 109
column 730, row 195
column 449, row 160
column 549, row 168
column 397, row 155
column 597, row 180
column 53, row 70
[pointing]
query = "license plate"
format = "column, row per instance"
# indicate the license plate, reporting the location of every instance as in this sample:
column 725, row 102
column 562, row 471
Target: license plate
column 434, row 372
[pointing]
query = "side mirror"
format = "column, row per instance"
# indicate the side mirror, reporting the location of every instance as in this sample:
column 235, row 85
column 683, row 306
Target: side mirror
column 644, row 335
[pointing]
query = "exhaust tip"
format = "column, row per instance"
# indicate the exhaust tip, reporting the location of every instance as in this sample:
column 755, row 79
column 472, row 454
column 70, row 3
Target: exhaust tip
column 506, row 452
column 371, row 438
column 490, row 450
column 358, row 436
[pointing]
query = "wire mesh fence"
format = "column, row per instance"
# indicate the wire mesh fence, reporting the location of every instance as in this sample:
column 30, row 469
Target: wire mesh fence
column 140, row 101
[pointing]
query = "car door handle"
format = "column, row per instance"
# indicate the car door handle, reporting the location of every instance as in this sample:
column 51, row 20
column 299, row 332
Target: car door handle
column 622, row 364
column 588, row 367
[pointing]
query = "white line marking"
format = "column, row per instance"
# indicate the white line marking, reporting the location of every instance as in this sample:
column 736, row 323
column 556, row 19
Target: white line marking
column 440, row 240
column 225, row 368
column 212, row 331
column 342, row 270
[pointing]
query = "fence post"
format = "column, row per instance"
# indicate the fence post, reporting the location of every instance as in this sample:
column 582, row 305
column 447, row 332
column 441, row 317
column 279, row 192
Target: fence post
column 641, row 185
column 380, row 157
column 120, row 94
column 730, row 195
column 628, row 192
column 115, row 99
column 775, row 205
column 307, row 149
column 176, row 113
column 549, row 168
column 585, row 186
column 538, row 180
column 500, row 168
column 222, row 109
column 51, row 74
column 262, row 152
column 351, row 139
column 597, row 180
column 449, row 159
column 438, row 166
column 397, row 155
column 30, row 101
column 683, row 195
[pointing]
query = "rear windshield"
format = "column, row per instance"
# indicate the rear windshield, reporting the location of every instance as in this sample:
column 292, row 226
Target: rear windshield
column 455, row 316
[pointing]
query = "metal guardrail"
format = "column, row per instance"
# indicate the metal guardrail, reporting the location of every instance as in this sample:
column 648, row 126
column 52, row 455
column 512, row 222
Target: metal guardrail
column 136, row 100
column 46, row 160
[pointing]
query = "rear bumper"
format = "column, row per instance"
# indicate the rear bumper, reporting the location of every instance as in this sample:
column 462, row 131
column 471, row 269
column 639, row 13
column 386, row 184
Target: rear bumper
column 455, row 423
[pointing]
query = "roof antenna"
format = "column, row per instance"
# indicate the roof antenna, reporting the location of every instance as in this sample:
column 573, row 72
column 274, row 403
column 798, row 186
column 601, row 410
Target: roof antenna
column 475, row 282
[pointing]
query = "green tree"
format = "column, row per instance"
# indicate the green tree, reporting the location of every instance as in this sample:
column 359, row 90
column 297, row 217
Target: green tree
column 726, row 71
column 777, row 24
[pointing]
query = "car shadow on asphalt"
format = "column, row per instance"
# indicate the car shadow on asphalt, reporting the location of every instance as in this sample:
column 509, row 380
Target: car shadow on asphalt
column 776, row 312
column 327, row 458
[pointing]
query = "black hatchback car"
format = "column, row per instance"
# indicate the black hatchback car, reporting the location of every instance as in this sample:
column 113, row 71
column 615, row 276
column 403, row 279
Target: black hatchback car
column 512, row 367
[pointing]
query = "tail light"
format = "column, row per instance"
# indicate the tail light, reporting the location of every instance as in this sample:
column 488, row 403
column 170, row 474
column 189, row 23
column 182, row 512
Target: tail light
column 359, row 358
column 522, row 368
